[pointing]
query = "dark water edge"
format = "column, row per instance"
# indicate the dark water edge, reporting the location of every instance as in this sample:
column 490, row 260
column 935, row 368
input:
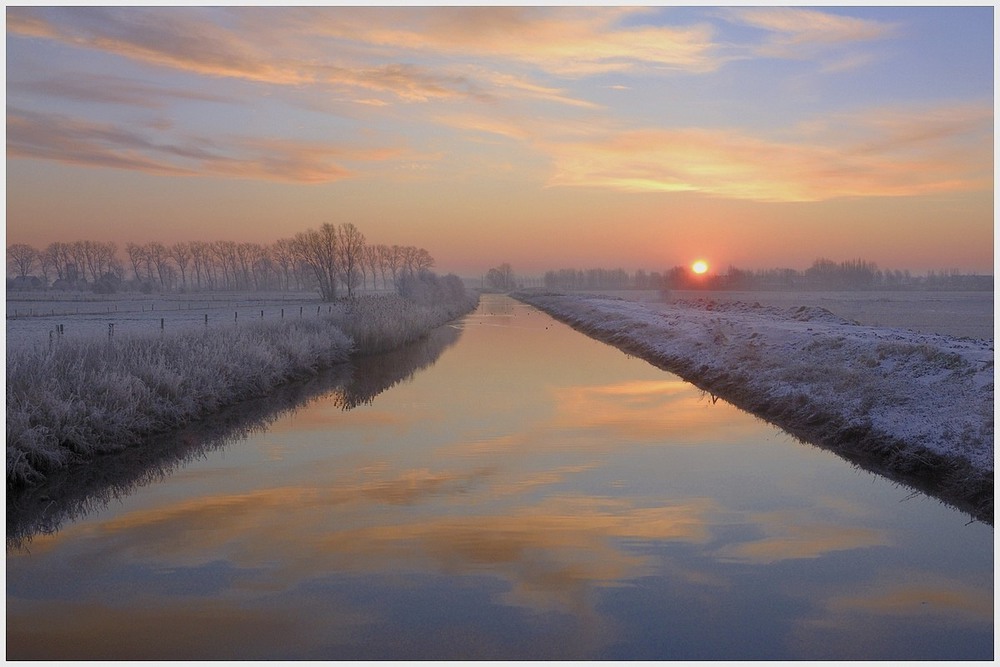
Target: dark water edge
column 954, row 483
column 74, row 492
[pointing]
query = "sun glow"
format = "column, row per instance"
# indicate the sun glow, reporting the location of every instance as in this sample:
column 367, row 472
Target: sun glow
column 699, row 267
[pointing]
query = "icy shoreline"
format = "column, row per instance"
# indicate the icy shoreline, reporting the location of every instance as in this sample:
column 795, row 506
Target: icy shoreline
column 915, row 407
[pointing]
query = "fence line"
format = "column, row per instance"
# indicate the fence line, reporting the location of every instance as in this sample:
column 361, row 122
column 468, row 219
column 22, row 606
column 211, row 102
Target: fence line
column 60, row 329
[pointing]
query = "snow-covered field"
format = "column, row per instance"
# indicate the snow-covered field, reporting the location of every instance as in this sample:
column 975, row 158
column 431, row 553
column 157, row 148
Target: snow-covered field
column 31, row 316
column 968, row 314
column 917, row 404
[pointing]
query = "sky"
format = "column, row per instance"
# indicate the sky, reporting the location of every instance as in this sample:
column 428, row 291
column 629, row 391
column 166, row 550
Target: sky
column 545, row 137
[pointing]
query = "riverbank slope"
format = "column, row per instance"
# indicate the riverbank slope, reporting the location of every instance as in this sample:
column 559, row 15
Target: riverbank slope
column 75, row 400
column 915, row 407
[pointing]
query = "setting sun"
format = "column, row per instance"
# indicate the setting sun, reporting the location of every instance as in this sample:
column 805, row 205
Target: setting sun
column 699, row 267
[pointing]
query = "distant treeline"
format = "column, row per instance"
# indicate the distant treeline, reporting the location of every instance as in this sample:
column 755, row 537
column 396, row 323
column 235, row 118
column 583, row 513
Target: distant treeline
column 327, row 259
column 824, row 274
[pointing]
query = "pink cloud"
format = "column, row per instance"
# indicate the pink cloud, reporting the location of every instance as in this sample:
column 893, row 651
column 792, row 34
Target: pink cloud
column 72, row 141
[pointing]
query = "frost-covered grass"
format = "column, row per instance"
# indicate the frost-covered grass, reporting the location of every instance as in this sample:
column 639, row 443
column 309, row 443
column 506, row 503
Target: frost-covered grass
column 70, row 493
column 76, row 399
column 378, row 324
column 916, row 405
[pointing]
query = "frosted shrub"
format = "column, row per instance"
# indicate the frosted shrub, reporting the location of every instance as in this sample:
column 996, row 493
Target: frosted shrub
column 79, row 399
column 427, row 289
column 378, row 324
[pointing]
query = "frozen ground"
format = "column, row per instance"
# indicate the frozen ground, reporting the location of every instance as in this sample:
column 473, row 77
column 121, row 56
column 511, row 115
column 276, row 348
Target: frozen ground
column 32, row 315
column 915, row 403
column 950, row 313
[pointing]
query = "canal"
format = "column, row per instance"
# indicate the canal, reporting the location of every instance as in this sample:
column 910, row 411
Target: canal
column 506, row 489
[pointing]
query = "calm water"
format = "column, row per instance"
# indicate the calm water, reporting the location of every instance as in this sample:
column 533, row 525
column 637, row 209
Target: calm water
column 509, row 489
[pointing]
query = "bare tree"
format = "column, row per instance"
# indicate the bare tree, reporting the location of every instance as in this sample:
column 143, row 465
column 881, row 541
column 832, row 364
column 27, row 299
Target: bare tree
column 407, row 257
column 159, row 257
column 283, row 254
column 180, row 252
column 371, row 258
column 98, row 257
column 384, row 255
column 46, row 264
column 200, row 256
column 501, row 277
column 137, row 257
column 317, row 248
column 76, row 269
column 244, row 259
column 265, row 269
column 394, row 260
column 117, row 268
column 22, row 258
column 350, row 249
column 88, row 254
column 224, row 252
column 63, row 255
column 107, row 257
column 422, row 260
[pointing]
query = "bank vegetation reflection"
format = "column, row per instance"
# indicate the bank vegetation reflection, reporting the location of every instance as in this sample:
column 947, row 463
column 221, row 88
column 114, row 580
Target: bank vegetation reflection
column 76, row 492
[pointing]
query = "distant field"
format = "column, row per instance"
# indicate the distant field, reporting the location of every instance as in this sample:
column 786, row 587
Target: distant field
column 31, row 316
column 949, row 313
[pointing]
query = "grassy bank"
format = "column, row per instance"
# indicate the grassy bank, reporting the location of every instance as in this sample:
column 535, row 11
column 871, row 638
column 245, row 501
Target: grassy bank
column 75, row 400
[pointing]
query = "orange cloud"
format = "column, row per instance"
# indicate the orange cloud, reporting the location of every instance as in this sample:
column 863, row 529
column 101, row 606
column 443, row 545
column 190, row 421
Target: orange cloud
column 918, row 597
column 796, row 31
column 871, row 153
column 881, row 154
column 565, row 41
column 339, row 47
column 788, row 536
column 551, row 552
column 71, row 141
column 550, row 556
column 190, row 41
column 645, row 411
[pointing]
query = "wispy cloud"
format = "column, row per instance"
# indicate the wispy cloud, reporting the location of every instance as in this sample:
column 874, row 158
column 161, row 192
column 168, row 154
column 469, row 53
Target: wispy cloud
column 108, row 89
column 73, row 141
column 795, row 32
column 787, row 536
column 880, row 153
column 337, row 48
column 197, row 41
column 565, row 41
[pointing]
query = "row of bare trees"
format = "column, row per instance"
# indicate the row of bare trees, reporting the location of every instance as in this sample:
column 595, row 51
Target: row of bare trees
column 64, row 261
column 327, row 258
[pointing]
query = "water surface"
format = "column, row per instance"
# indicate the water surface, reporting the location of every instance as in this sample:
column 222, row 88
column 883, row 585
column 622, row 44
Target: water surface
column 519, row 492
